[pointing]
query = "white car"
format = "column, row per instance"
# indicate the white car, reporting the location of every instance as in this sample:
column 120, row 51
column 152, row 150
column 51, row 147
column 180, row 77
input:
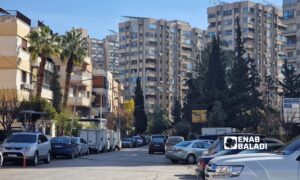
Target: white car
column 32, row 146
column 262, row 166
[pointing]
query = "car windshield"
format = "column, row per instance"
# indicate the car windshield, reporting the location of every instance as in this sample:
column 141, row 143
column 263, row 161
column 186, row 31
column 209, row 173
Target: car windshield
column 127, row 139
column 22, row 138
column 291, row 147
column 184, row 144
column 173, row 141
column 60, row 140
column 159, row 140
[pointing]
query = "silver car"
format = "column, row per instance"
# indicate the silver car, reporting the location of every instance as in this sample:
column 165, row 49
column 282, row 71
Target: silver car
column 32, row 146
column 83, row 147
column 172, row 141
column 188, row 151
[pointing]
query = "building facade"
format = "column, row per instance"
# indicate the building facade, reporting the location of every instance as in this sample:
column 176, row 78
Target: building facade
column 162, row 53
column 290, row 10
column 262, row 30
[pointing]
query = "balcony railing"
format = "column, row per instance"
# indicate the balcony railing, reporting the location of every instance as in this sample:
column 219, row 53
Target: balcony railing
column 17, row 14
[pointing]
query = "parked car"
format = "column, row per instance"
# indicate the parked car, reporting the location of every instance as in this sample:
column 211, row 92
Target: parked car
column 172, row 141
column 157, row 145
column 1, row 160
column 281, row 165
column 153, row 136
column 138, row 141
column 82, row 146
column 127, row 143
column 187, row 151
column 204, row 160
column 33, row 146
column 64, row 146
column 213, row 137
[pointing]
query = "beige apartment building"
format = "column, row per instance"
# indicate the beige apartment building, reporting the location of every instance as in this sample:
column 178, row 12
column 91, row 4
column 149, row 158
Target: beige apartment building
column 290, row 10
column 17, row 70
column 262, row 32
column 162, row 53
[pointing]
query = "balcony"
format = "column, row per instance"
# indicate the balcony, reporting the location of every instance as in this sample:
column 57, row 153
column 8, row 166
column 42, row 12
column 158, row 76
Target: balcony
column 81, row 101
column 82, row 79
column 47, row 93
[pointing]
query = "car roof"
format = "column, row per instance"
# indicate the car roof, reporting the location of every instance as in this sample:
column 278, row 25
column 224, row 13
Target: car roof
column 170, row 137
column 31, row 133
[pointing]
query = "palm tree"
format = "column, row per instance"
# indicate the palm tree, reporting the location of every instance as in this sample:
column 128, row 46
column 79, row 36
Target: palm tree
column 74, row 51
column 43, row 43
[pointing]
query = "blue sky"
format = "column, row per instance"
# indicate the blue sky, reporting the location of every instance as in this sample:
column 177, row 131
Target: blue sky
column 97, row 16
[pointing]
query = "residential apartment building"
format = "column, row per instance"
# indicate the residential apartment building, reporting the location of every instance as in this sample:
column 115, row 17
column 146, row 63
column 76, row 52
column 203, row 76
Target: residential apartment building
column 108, row 93
column 262, row 32
column 291, row 11
column 104, row 53
column 162, row 53
column 17, row 70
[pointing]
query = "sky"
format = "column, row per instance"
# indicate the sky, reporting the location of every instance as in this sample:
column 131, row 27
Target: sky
column 98, row 16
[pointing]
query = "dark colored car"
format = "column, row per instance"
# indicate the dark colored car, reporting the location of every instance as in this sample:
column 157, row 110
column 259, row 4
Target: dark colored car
column 127, row 143
column 203, row 161
column 209, row 137
column 157, row 145
column 64, row 146
column 154, row 136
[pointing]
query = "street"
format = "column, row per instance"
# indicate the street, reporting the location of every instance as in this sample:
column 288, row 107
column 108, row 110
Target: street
column 133, row 163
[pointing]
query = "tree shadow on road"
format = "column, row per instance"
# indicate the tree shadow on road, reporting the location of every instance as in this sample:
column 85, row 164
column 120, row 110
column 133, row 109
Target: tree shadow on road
column 185, row 176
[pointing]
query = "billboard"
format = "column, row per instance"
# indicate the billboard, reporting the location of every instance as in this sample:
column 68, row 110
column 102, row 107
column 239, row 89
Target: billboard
column 291, row 110
column 199, row 116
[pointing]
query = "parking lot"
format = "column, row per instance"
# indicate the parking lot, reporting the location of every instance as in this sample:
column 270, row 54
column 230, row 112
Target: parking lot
column 133, row 163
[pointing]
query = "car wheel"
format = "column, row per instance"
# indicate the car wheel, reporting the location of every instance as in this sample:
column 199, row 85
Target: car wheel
column 174, row 161
column 48, row 159
column 35, row 160
column 191, row 159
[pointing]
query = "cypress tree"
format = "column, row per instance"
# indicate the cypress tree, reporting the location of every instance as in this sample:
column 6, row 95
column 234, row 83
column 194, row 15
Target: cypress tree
column 56, row 89
column 238, row 84
column 176, row 112
column 291, row 82
column 139, row 113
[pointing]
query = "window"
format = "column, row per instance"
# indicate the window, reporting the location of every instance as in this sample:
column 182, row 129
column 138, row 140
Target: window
column 211, row 16
column 42, row 139
column 24, row 76
column 291, row 40
column 289, row 14
column 290, row 54
column 198, row 145
column 227, row 22
column 211, row 34
column 152, row 26
column 227, row 32
column 289, row 2
column 187, row 41
column 227, row 13
column 24, row 44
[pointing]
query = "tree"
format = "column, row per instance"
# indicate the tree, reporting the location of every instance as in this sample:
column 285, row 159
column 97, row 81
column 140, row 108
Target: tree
column 159, row 121
column 127, row 116
column 238, row 83
column 140, row 118
column 9, row 108
column 74, row 51
column 43, row 43
column 255, row 104
column 176, row 112
column 270, row 89
column 182, row 128
column 217, row 116
column 63, row 123
column 291, row 82
column 56, row 89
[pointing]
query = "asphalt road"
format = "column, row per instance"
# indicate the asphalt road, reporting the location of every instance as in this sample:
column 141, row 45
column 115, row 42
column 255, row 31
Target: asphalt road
column 135, row 164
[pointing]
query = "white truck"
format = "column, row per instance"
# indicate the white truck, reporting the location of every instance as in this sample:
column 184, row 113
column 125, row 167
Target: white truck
column 114, row 140
column 217, row 130
column 95, row 138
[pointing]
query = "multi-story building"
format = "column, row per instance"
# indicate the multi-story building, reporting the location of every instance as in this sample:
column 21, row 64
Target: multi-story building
column 290, row 10
column 17, row 69
column 162, row 53
column 108, row 93
column 262, row 32
column 104, row 53
column 111, row 47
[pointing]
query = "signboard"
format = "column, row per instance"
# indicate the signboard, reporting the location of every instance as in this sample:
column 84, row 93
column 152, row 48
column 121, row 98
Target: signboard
column 199, row 116
column 291, row 110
